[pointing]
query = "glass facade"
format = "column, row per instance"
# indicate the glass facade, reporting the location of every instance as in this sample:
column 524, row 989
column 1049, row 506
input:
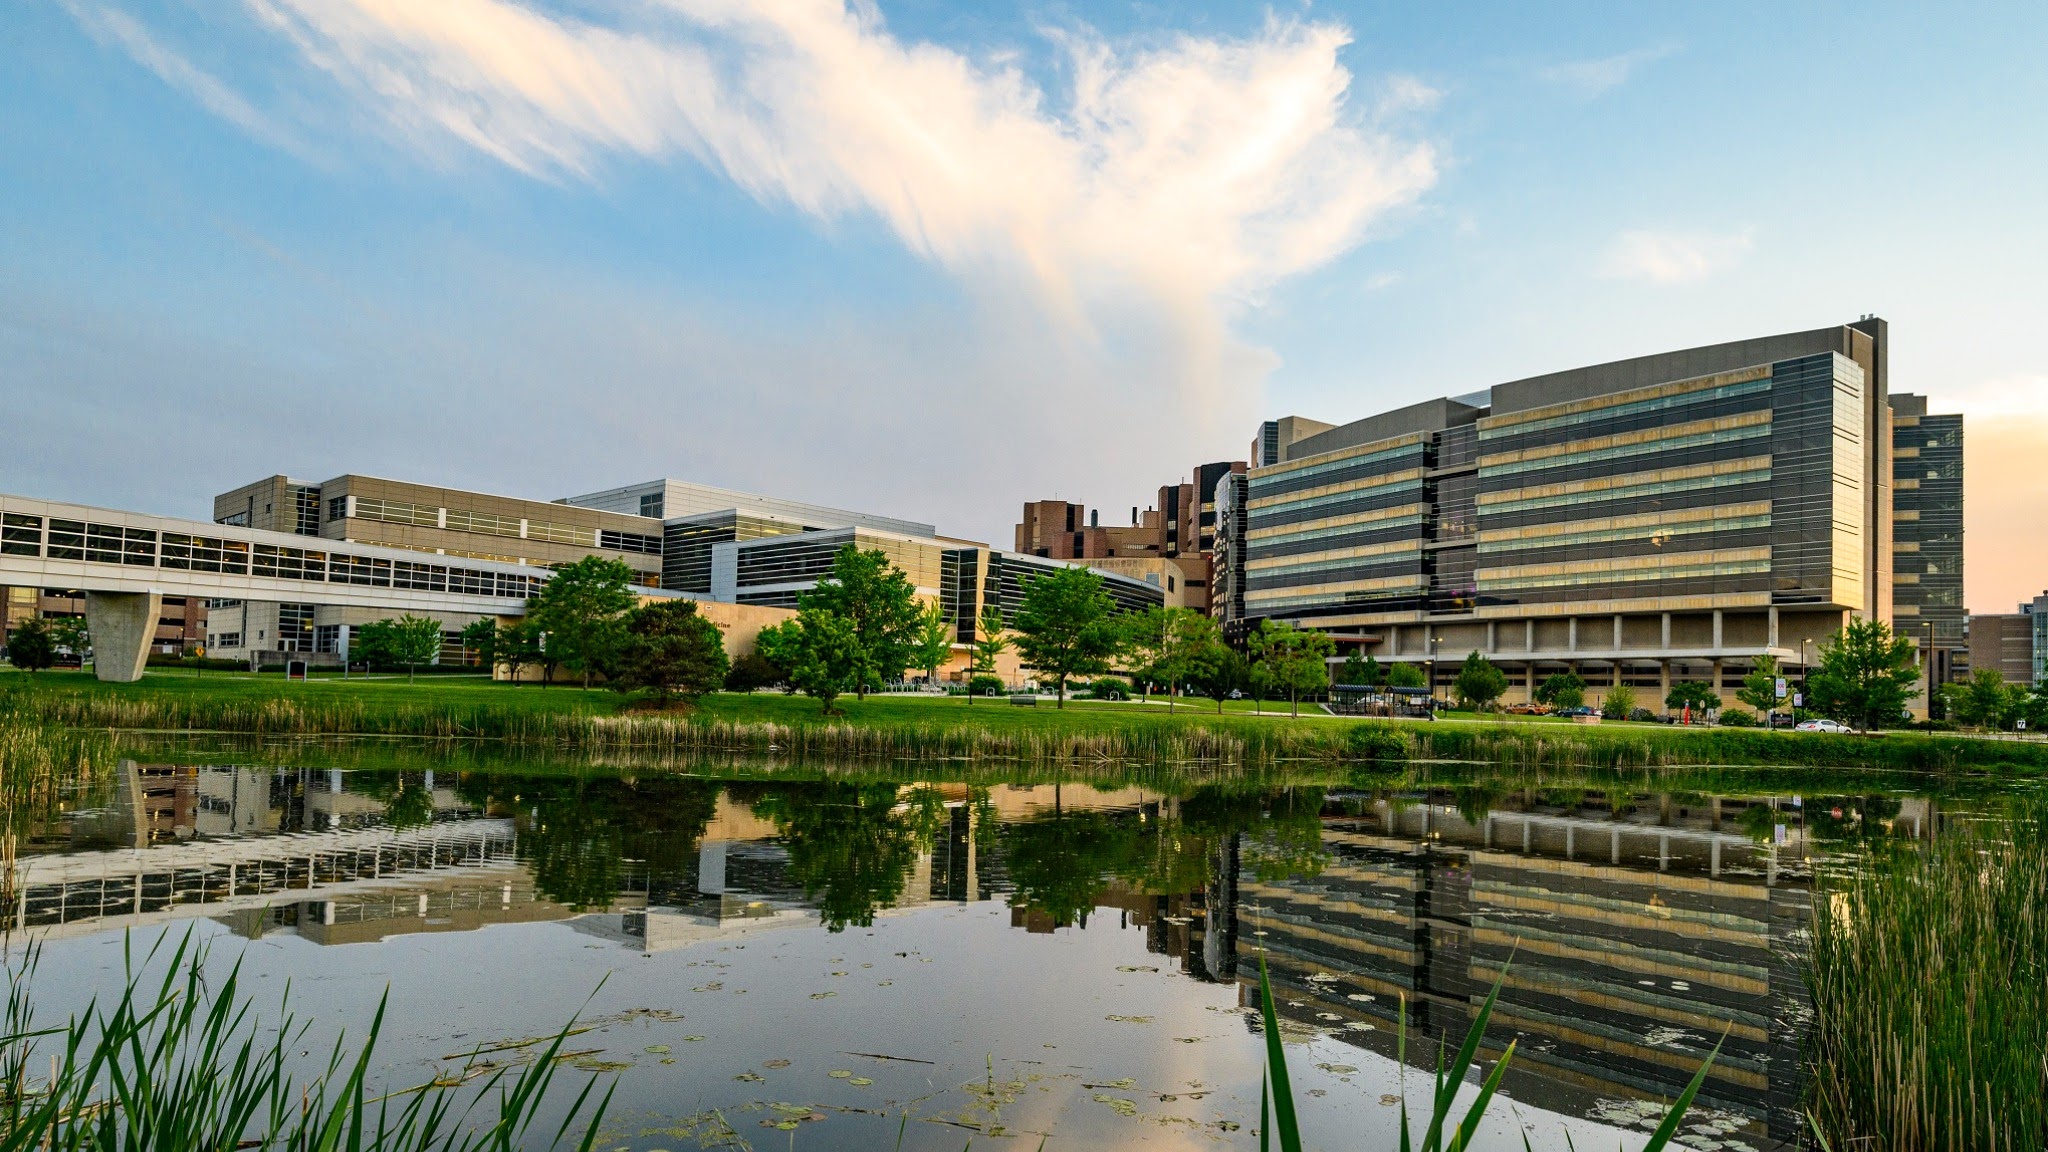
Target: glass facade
column 1927, row 524
column 686, row 545
column 1740, row 489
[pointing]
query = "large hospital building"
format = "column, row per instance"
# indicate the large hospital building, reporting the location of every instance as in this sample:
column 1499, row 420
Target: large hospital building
column 1669, row 517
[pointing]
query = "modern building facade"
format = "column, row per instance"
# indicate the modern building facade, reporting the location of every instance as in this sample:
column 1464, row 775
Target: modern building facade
column 2006, row 644
column 1666, row 517
column 1927, row 532
column 696, row 518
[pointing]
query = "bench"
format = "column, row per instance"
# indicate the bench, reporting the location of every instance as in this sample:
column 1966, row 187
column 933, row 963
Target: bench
column 1024, row 701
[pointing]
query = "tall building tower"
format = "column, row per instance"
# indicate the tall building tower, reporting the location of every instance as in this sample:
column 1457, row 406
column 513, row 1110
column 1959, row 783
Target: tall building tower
column 1927, row 530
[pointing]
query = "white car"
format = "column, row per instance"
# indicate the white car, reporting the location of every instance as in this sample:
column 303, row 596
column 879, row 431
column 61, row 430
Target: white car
column 1822, row 726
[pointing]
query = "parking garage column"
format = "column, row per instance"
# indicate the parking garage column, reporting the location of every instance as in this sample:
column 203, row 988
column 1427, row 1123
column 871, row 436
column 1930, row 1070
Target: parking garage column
column 122, row 625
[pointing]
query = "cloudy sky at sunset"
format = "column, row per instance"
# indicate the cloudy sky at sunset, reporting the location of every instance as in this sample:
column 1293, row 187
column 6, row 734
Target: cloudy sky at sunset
column 933, row 260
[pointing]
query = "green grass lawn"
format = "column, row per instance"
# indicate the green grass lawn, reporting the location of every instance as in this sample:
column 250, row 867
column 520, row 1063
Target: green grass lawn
column 941, row 726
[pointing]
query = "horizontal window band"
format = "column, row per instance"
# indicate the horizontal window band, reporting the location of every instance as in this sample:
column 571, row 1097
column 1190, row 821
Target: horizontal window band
column 1658, row 398
column 1341, row 457
column 1311, row 495
column 1717, row 432
column 1307, row 529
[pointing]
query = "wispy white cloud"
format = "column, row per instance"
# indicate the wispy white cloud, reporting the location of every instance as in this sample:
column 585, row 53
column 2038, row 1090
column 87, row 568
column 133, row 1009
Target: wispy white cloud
column 1193, row 171
column 1672, row 257
column 1590, row 78
column 116, row 29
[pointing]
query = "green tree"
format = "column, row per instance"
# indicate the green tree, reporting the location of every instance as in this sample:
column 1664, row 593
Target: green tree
column 1985, row 700
column 671, row 650
column 877, row 601
column 72, row 635
column 408, row 642
column 933, row 643
column 1405, row 676
column 30, row 648
column 481, row 637
column 1221, row 671
column 1293, row 660
column 1696, row 694
column 1866, row 675
column 753, row 671
column 1618, row 703
column 1562, row 690
column 1353, row 671
column 991, row 639
column 516, row 646
column 821, row 651
column 1067, row 626
column 580, row 611
column 1479, row 683
column 1760, row 688
column 1171, row 644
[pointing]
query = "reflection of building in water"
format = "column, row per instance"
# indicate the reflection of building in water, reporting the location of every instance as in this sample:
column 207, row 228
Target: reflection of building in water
column 1629, row 944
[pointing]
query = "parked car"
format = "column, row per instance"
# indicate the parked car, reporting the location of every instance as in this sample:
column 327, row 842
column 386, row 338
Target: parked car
column 1528, row 709
column 1822, row 726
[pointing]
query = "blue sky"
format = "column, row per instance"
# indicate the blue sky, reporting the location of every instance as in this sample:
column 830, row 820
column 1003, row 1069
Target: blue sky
column 935, row 260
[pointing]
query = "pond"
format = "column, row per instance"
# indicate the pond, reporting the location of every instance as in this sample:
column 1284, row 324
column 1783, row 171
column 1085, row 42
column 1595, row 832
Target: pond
column 779, row 957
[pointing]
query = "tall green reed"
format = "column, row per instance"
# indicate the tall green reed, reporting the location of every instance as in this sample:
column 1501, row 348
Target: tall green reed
column 186, row 1064
column 1929, row 976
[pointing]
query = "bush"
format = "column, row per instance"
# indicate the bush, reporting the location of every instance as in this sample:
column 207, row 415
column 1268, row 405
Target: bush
column 983, row 685
column 754, row 671
column 1105, row 689
column 1642, row 715
column 1618, row 703
column 1738, row 718
column 1377, row 742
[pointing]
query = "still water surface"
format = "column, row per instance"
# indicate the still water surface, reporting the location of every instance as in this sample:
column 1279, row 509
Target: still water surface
column 776, row 962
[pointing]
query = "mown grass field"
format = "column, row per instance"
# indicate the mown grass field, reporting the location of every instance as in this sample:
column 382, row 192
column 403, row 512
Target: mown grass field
column 567, row 717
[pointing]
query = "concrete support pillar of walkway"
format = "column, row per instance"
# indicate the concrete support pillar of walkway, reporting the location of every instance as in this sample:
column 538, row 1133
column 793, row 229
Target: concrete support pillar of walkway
column 122, row 626
column 1617, row 631
column 1663, row 681
column 1667, row 631
column 1527, row 828
column 1614, row 846
column 1717, row 629
column 1571, row 641
column 1773, row 627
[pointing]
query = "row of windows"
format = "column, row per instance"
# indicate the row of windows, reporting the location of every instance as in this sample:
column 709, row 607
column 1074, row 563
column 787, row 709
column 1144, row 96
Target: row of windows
column 1657, row 531
column 629, row 542
column 1580, row 576
column 483, row 523
column 1295, row 478
column 397, row 512
column 1658, row 446
column 140, row 547
column 1336, row 558
column 1400, row 515
column 1625, row 487
column 1355, row 498
column 1658, row 404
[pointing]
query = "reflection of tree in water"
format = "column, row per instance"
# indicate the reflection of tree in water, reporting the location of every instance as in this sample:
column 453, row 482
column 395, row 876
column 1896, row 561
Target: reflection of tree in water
column 1062, row 864
column 847, row 845
column 1839, row 819
column 578, row 834
column 407, row 801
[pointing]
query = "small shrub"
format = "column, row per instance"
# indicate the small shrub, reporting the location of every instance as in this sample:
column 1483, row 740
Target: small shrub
column 1376, row 742
column 983, row 685
column 1738, row 718
column 1642, row 715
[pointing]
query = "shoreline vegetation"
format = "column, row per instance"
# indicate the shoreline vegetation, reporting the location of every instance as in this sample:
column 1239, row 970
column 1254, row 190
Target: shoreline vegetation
column 949, row 728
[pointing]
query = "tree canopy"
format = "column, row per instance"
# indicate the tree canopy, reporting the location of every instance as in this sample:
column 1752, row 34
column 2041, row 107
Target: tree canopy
column 1695, row 694
column 1170, row 646
column 1294, row 661
column 671, row 650
column 879, row 604
column 1404, row 676
column 1866, row 676
column 30, row 648
column 1760, row 688
column 1562, row 690
column 1067, row 626
column 1479, row 683
column 409, row 642
column 819, row 653
column 934, row 640
column 580, row 614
